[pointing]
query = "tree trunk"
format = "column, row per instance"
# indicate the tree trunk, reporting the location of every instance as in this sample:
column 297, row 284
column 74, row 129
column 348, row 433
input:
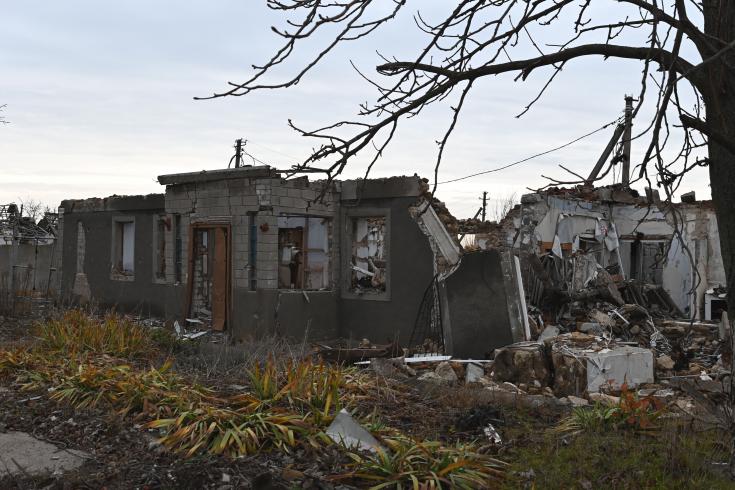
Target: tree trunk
column 719, row 98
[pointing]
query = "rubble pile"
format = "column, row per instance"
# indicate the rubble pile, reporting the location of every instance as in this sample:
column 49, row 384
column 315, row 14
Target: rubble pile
column 595, row 349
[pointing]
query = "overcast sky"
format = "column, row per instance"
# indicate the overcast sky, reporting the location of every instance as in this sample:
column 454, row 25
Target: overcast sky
column 99, row 96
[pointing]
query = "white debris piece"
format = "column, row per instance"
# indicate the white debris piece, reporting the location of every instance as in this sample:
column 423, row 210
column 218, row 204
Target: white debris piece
column 473, row 373
column 492, row 434
column 344, row 430
column 630, row 365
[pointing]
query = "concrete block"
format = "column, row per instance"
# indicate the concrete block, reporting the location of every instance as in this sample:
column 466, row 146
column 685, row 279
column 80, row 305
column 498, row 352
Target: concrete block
column 473, row 373
column 577, row 371
column 524, row 362
column 549, row 333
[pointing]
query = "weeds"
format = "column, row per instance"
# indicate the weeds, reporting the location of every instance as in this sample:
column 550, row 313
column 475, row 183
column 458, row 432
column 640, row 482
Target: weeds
column 412, row 464
column 630, row 412
column 93, row 363
column 75, row 332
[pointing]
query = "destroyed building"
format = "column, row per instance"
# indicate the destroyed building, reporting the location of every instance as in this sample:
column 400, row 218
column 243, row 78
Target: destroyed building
column 246, row 250
column 635, row 239
column 27, row 257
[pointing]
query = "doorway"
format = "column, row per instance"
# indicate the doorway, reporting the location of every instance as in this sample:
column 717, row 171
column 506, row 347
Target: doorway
column 209, row 275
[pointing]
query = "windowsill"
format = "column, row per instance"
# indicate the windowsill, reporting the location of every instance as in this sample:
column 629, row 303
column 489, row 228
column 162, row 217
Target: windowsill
column 367, row 295
column 160, row 280
column 122, row 276
column 294, row 290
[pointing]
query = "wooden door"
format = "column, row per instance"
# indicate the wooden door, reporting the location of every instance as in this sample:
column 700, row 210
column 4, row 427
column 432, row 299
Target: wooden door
column 219, row 279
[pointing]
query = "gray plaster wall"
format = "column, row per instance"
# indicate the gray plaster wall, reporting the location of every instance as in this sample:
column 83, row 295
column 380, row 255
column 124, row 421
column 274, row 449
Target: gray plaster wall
column 411, row 263
column 293, row 314
column 476, row 314
column 142, row 294
column 267, row 310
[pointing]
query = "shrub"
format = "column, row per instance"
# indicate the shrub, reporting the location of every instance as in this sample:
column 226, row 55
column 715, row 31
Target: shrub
column 75, row 332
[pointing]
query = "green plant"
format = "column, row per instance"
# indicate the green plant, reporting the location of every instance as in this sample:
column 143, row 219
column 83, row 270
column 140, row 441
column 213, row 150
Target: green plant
column 631, row 411
column 412, row 464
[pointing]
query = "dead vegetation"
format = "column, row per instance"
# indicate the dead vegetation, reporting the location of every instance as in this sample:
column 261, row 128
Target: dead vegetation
column 111, row 365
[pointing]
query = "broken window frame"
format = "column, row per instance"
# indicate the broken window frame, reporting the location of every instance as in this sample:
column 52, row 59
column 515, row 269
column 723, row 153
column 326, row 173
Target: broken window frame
column 160, row 242
column 348, row 220
column 178, row 250
column 653, row 274
column 117, row 253
column 307, row 251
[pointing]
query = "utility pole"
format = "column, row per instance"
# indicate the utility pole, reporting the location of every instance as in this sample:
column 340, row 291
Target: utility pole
column 484, row 205
column 627, row 134
column 238, row 152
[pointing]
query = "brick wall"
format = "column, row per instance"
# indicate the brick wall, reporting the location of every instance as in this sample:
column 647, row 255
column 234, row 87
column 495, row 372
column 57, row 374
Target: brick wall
column 231, row 201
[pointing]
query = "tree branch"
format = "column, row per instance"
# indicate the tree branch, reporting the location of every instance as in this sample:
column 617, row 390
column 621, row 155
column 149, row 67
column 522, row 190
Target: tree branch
column 705, row 129
column 664, row 58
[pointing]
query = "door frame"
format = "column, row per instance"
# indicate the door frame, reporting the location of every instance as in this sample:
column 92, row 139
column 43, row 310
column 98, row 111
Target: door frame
column 210, row 225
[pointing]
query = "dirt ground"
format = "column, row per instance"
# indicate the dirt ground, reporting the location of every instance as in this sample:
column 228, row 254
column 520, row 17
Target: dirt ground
column 124, row 455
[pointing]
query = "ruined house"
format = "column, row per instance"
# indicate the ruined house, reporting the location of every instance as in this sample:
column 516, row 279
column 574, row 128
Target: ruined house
column 639, row 240
column 27, row 257
column 248, row 251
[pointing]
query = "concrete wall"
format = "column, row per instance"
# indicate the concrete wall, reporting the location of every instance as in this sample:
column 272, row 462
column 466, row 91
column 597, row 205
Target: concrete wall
column 289, row 313
column 480, row 305
column 34, row 269
column 233, row 198
column 267, row 310
column 411, row 270
column 92, row 256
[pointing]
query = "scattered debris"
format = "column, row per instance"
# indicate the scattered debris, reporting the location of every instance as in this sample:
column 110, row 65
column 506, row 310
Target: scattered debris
column 492, row 434
column 473, row 373
column 664, row 363
column 344, row 430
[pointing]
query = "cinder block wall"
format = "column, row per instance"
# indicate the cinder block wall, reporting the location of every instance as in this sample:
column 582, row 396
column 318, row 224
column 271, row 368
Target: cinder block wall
column 233, row 201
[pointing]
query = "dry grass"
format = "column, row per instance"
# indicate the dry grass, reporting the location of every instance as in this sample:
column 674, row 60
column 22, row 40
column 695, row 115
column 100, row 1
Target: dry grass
column 100, row 363
column 75, row 332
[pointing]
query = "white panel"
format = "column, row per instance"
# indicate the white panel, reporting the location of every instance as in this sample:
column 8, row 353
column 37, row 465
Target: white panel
column 317, row 239
column 128, row 247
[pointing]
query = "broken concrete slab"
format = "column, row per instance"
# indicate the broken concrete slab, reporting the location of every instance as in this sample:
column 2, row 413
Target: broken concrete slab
column 577, row 402
column 549, row 333
column 665, row 363
column 446, row 373
column 346, row 431
column 524, row 362
column 481, row 304
column 473, row 373
column 622, row 365
column 578, row 370
column 604, row 399
column 23, row 454
column 592, row 328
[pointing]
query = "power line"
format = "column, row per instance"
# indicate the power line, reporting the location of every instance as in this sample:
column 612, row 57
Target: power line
column 272, row 150
column 616, row 121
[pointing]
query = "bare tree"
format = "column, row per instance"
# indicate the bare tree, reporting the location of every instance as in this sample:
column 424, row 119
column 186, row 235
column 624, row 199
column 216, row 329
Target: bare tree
column 2, row 117
column 502, row 207
column 33, row 209
column 684, row 47
column 478, row 39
